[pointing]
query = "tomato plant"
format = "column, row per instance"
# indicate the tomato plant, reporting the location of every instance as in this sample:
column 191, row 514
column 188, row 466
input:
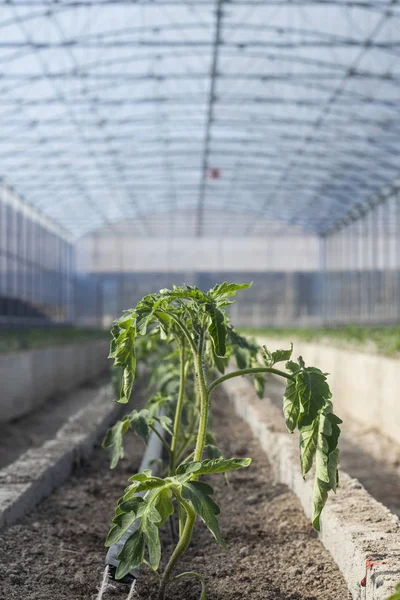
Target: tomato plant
column 201, row 341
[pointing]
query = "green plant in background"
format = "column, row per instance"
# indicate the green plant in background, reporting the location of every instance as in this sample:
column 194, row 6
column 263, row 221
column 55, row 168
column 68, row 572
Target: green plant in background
column 382, row 340
column 396, row 595
column 195, row 324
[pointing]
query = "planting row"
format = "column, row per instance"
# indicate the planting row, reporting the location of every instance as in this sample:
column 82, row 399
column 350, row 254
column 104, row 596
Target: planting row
column 167, row 514
column 187, row 341
column 27, row 338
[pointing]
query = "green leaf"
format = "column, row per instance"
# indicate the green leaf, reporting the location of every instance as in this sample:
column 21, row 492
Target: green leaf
column 123, row 520
column 139, row 422
column 271, row 358
column 143, row 486
column 308, row 445
column 217, row 465
column 291, row 405
column 151, row 532
column 199, row 495
column 164, row 506
column 313, row 392
column 166, row 423
column 143, row 317
column 226, row 289
column 131, row 555
column 242, row 357
column 320, row 439
column 292, row 367
column 259, row 384
column 114, row 440
column 218, row 361
column 217, row 329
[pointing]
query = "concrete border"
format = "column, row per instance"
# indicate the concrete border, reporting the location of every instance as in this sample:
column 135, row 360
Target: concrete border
column 30, row 377
column 37, row 472
column 362, row 535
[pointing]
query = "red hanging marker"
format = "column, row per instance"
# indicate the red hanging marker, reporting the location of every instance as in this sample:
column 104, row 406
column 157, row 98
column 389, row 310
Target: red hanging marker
column 214, row 173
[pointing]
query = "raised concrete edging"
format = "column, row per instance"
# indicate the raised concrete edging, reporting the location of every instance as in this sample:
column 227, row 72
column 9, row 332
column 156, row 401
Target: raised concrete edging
column 362, row 535
column 364, row 385
column 31, row 377
column 37, row 472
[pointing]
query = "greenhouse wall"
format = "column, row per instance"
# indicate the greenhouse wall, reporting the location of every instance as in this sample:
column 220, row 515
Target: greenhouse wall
column 360, row 264
column 36, row 265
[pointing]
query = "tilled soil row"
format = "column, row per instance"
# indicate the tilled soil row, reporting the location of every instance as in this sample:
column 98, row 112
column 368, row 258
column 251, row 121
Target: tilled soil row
column 57, row 553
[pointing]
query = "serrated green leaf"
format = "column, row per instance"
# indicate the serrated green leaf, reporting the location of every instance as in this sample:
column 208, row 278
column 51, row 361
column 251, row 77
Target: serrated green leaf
column 131, row 555
column 114, row 440
column 226, row 290
column 259, row 384
column 152, row 535
column 308, row 445
column 143, row 318
column 272, row 358
column 313, row 392
column 292, row 367
column 139, row 422
column 142, row 486
column 122, row 521
column 217, row 329
column 291, row 405
column 218, row 361
column 199, row 495
column 217, row 465
column 166, row 423
column 242, row 357
column 164, row 506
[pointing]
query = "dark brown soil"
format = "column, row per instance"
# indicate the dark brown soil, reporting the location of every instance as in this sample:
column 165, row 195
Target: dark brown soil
column 273, row 554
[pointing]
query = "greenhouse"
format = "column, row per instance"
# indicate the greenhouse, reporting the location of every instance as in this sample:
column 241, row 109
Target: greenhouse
column 199, row 255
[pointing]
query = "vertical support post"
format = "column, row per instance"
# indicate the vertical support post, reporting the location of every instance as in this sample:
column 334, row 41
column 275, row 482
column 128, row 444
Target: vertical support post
column 322, row 287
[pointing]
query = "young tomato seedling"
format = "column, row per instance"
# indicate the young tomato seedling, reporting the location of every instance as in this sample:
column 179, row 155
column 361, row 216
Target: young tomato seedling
column 196, row 324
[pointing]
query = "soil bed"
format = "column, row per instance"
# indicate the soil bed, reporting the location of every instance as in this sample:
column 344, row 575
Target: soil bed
column 273, row 553
column 33, row 430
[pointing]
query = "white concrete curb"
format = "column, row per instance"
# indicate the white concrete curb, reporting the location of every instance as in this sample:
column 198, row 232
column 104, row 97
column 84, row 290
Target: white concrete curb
column 362, row 535
column 37, row 472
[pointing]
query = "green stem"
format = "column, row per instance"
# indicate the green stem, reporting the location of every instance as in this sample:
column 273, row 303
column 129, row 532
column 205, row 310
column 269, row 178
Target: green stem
column 250, row 371
column 187, row 532
column 178, row 412
column 204, row 404
column 181, row 546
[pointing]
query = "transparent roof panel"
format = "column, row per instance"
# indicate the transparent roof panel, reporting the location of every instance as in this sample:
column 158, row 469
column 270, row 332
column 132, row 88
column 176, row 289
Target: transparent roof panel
column 283, row 111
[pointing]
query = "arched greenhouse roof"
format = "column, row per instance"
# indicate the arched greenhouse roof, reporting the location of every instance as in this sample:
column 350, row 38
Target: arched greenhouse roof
column 248, row 110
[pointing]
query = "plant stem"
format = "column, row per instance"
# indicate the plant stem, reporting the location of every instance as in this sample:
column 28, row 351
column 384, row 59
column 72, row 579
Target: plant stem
column 181, row 546
column 186, row 535
column 204, row 394
column 178, row 412
column 250, row 371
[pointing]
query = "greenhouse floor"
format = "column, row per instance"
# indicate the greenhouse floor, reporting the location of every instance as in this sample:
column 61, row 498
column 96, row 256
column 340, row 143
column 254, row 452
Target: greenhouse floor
column 274, row 554
column 33, row 429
